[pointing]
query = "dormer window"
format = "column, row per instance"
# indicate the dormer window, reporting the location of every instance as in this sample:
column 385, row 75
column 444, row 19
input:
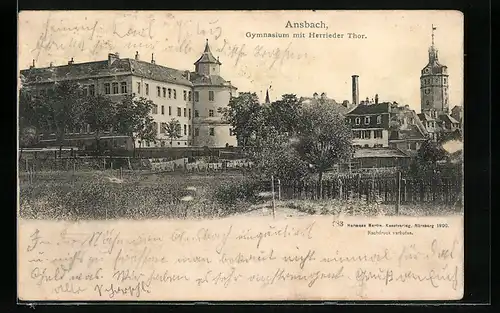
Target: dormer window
column 367, row 120
column 358, row 121
column 379, row 119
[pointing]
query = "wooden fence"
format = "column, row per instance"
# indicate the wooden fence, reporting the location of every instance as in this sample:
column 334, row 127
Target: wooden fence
column 404, row 190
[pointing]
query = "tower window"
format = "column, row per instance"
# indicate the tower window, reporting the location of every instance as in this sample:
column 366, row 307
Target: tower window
column 211, row 95
column 427, row 91
column 444, row 80
column 123, row 87
column 115, row 88
column 197, row 96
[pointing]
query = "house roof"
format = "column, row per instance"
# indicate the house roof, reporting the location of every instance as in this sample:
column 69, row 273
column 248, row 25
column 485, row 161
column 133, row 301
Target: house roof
column 448, row 119
column 158, row 72
column 379, row 153
column 408, row 132
column 425, row 117
column 209, row 80
column 207, row 56
column 363, row 109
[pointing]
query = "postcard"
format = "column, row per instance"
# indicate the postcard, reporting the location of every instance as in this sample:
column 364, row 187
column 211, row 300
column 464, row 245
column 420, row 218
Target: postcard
column 240, row 155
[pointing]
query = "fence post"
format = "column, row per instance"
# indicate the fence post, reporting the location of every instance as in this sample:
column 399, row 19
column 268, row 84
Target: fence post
column 272, row 191
column 398, row 195
column 27, row 166
column 279, row 190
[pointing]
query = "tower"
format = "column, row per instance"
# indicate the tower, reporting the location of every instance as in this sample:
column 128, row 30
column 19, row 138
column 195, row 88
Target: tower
column 207, row 64
column 434, row 84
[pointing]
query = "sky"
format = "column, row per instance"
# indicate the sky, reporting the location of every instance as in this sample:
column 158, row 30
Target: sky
column 388, row 53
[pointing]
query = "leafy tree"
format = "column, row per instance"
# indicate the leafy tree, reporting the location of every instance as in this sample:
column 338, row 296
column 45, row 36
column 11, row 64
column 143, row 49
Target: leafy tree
column 173, row 130
column 283, row 115
column 99, row 113
column 324, row 139
column 132, row 119
column 429, row 154
column 244, row 113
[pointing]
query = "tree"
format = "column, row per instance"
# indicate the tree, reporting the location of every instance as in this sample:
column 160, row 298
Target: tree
column 173, row 130
column 132, row 119
column 324, row 139
column 283, row 115
column 429, row 154
column 99, row 113
column 244, row 113
column 62, row 108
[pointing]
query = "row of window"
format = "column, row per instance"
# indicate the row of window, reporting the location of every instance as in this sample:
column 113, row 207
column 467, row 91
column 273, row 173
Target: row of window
column 367, row 120
column 428, row 80
column 367, row 134
column 367, row 146
column 180, row 111
column 114, row 88
column 187, row 130
column 172, row 93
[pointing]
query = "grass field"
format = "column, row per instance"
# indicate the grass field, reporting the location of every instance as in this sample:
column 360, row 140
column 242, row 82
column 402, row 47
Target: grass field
column 136, row 195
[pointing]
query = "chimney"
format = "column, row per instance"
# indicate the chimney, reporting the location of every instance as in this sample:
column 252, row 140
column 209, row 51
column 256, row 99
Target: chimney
column 51, row 64
column 71, row 61
column 376, row 98
column 137, row 55
column 345, row 103
column 33, row 65
column 112, row 57
column 153, row 58
column 355, row 90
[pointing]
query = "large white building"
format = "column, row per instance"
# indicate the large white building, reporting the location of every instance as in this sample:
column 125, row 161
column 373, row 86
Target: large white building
column 191, row 97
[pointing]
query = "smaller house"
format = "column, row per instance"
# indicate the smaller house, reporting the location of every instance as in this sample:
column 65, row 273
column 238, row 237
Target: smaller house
column 379, row 158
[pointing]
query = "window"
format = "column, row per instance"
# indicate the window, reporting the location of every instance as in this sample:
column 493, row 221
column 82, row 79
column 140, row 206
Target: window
column 196, row 113
column 427, row 91
column 367, row 120
column 366, row 134
column 169, row 110
column 85, row 92
column 162, row 128
column 158, row 91
column 377, row 133
column 107, row 89
column 163, row 110
column 147, row 89
column 185, row 112
column 189, row 113
column 211, row 113
column 178, row 143
column 379, row 119
column 164, row 92
column 185, row 129
column 169, row 93
column 175, row 94
column 155, row 109
column 211, row 95
column 444, row 80
column 197, row 96
column 184, row 92
column 92, row 90
column 196, row 132
column 189, row 96
column 115, row 88
column 123, row 87
column 358, row 120
column 179, row 111
column 139, row 88
column 211, row 131
column 189, row 130
column 427, row 102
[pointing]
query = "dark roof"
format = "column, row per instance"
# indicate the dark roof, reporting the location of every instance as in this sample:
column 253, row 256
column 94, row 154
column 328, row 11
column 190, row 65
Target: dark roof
column 409, row 132
column 425, row 117
column 75, row 71
column 379, row 153
column 207, row 56
column 158, row 72
column 457, row 107
column 448, row 119
column 363, row 109
column 212, row 80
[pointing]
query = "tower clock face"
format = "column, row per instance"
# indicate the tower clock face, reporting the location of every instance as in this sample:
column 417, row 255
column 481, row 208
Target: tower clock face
column 427, row 70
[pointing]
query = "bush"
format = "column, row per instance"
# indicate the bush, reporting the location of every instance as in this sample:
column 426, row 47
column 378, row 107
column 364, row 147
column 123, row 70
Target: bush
column 245, row 191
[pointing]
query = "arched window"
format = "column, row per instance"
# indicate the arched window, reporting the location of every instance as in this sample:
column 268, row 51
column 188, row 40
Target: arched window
column 379, row 119
column 367, row 120
column 358, row 120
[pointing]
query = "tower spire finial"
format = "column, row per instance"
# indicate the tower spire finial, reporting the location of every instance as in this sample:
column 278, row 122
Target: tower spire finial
column 433, row 29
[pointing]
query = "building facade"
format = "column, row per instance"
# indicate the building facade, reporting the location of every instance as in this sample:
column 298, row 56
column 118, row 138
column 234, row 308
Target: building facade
column 190, row 97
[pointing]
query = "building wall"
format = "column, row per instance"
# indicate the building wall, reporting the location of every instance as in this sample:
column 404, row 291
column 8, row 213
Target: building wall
column 371, row 142
column 209, row 117
column 167, row 108
column 434, row 93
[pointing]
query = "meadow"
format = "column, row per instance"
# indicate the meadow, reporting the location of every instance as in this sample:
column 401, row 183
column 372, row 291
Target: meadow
column 110, row 194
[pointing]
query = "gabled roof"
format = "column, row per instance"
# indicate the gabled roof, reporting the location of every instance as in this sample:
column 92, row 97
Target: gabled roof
column 448, row 119
column 409, row 132
column 379, row 153
column 207, row 56
column 364, row 109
